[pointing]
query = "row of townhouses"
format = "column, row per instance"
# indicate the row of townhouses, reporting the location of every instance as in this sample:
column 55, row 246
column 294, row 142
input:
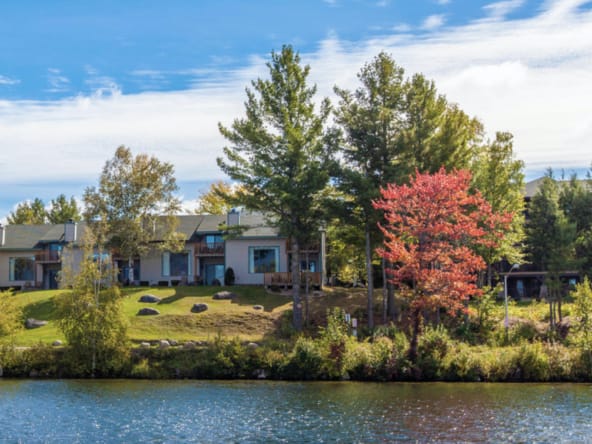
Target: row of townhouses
column 33, row 255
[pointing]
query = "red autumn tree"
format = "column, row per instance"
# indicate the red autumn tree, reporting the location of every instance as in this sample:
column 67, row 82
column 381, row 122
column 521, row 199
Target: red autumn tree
column 431, row 228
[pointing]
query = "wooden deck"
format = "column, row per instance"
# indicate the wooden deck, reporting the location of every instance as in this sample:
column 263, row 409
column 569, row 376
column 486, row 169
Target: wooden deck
column 284, row 279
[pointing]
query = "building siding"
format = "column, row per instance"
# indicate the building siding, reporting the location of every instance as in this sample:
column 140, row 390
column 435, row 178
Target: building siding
column 237, row 258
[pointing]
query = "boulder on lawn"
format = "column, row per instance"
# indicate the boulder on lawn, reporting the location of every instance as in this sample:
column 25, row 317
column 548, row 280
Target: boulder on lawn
column 148, row 311
column 149, row 298
column 163, row 343
column 34, row 323
column 57, row 343
column 198, row 308
column 223, row 295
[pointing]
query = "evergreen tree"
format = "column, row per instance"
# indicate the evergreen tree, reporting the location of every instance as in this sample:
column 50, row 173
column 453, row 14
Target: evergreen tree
column 63, row 210
column 392, row 128
column 29, row 213
column 499, row 178
column 550, row 240
column 281, row 157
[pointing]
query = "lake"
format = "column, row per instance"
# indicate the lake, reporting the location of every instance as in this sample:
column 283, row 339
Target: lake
column 71, row 411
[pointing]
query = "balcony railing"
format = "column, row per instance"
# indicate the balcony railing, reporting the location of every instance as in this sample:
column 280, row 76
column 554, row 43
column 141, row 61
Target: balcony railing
column 210, row 249
column 48, row 256
column 284, row 279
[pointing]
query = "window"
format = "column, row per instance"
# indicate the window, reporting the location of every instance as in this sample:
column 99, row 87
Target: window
column 21, row 268
column 213, row 239
column 176, row 264
column 264, row 259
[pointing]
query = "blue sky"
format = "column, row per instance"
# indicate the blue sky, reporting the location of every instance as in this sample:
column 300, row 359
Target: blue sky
column 77, row 79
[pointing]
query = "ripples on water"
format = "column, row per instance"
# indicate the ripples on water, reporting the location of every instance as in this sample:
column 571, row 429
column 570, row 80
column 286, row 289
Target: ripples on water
column 252, row 411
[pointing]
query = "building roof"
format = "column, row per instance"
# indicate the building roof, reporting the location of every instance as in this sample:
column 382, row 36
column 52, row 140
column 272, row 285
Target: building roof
column 30, row 237
column 256, row 225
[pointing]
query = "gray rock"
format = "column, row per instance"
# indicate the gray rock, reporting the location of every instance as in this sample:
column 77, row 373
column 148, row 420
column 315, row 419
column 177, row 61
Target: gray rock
column 148, row 311
column 222, row 295
column 57, row 343
column 198, row 308
column 149, row 298
column 257, row 307
column 163, row 343
column 173, row 342
column 253, row 345
column 145, row 345
column 189, row 345
column 34, row 323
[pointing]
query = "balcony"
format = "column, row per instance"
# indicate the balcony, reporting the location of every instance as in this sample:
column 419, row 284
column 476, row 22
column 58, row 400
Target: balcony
column 210, row 249
column 48, row 257
column 284, row 279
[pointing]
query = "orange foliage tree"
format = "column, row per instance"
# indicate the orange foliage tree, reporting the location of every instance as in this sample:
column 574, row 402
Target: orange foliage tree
column 431, row 228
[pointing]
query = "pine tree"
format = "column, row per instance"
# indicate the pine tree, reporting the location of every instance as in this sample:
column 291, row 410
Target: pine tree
column 280, row 155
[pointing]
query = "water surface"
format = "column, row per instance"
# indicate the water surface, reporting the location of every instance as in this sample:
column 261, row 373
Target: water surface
column 256, row 411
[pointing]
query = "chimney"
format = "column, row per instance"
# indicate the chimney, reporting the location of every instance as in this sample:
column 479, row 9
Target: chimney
column 2, row 235
column 70, row 229
column 233, row 218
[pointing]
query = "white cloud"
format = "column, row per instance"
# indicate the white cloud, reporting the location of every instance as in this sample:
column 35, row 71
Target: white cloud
column 499, row 10
column 532, row 77
column 57, row 82
column 433, row 22
column 4, row 80
column 442, row 2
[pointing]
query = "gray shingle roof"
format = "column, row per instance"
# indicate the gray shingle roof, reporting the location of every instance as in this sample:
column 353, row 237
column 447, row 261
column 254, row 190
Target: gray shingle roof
column 29, row 237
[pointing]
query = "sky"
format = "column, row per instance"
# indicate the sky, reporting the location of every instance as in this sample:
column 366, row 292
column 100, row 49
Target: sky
column 78, row 79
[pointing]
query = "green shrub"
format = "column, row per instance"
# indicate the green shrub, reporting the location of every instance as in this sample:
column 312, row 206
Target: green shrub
column 432, row 348
column 306, row 360
column 462, row 363
column 229, row 277
column 533, row 362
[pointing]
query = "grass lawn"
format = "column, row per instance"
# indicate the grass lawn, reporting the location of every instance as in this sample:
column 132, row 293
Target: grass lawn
column 227, row 318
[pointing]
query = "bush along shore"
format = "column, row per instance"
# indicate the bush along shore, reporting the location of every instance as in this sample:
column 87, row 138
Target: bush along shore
column 332, row 355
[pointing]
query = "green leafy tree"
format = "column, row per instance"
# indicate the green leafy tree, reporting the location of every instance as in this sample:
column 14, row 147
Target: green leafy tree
column 11, row 315
column 582, row 312
column 134, row 205
column 90, row 315
column 220, row 198
column 499, row 178
column 280, row 155
column 63, row 210
column 29, row 213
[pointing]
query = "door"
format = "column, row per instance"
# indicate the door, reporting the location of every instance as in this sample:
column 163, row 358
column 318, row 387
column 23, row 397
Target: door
column 214, row 274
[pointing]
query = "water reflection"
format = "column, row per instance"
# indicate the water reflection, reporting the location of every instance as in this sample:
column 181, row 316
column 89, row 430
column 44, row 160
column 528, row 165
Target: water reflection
column 256, row 411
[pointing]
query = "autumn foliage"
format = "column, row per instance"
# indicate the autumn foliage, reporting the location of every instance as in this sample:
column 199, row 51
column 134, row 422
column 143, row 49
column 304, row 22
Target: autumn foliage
column 431, row 228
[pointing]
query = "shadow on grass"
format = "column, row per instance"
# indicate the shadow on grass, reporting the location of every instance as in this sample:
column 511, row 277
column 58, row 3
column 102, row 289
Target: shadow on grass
column 42, row 310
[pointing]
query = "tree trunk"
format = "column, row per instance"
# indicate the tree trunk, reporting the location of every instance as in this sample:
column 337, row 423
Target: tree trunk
column 307, row 292
column 393, row 313
column 370, row 280
column 415, row 335
column 296, row 301
column 384, row 292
